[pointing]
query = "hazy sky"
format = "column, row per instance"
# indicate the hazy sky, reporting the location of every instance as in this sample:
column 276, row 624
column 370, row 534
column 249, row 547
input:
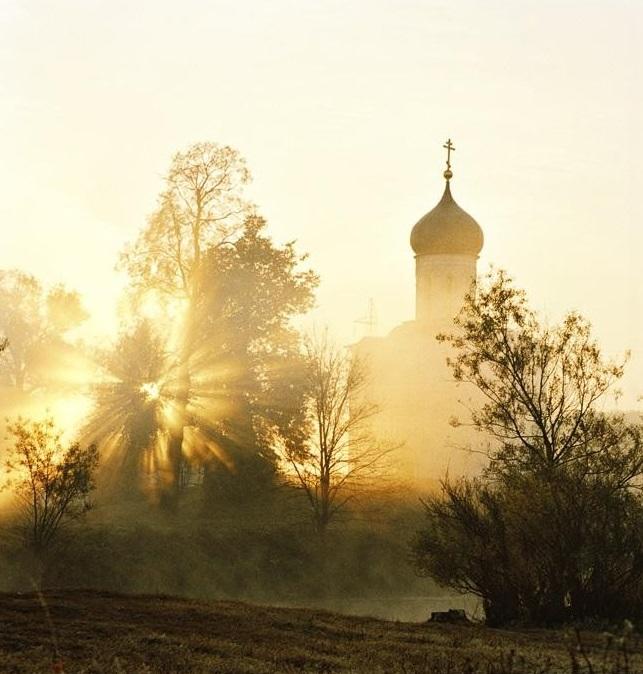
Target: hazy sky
column 341, row 109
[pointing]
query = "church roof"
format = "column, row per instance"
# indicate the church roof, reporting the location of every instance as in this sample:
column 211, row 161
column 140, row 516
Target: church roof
column 447, row 229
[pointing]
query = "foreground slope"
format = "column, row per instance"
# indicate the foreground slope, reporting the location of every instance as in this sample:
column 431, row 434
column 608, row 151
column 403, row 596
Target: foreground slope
column 100, row 632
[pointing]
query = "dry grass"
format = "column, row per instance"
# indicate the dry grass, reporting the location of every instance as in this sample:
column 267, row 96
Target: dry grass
column 100, row 632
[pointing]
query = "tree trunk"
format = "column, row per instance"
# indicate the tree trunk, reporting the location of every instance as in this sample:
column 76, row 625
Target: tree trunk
column 172, row 487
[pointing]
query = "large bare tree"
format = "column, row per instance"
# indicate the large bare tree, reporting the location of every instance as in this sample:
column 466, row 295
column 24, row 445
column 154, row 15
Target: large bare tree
column 341, row 460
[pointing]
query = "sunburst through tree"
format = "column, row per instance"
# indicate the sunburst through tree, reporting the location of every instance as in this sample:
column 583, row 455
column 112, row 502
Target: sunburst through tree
column 205, row 390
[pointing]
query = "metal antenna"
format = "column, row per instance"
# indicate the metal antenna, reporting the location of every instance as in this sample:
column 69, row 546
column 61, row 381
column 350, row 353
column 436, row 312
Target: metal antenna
column 369, row 319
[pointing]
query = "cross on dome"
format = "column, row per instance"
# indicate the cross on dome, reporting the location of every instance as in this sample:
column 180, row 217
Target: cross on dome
column 448, row 146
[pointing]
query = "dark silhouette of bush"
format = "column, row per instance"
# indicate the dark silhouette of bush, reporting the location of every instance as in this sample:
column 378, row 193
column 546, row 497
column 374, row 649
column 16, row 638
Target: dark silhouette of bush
column 553, row 529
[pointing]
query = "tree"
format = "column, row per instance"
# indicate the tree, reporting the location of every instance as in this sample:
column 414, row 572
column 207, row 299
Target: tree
column 35, row 324
column 248, row 389
column 542, row 386
column 553, row 527
column 22, row 323
column 53, row 483
column 340, row 459
column 128, row 410
column 200, row 207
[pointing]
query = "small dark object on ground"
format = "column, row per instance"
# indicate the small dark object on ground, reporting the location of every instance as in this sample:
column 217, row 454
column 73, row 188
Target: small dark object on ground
column 453, row 615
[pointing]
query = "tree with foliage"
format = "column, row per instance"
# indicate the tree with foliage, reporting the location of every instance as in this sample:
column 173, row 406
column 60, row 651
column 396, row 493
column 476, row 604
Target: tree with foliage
column 230, row 380
column 52, row 482
column 247, row 394
column 552, row 530
column 127, row 416
column 339, row 459
column 201, row 206
column 35, row 323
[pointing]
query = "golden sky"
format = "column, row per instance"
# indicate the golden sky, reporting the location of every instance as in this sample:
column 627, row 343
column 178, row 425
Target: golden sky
column 341, row 109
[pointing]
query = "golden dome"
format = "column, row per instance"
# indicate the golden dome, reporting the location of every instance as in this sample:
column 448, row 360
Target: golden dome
column 447, row 230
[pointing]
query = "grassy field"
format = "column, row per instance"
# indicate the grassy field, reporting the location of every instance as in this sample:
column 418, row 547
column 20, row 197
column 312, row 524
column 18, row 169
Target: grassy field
column 100, row 632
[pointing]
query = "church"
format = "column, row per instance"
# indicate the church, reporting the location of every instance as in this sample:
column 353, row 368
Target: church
column 409, row 380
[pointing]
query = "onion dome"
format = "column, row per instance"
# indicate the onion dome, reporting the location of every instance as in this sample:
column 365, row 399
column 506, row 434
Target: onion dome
column 447, row 229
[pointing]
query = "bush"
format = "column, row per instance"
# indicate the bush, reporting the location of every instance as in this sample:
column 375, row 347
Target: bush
column 537, row 552
column 553, row 529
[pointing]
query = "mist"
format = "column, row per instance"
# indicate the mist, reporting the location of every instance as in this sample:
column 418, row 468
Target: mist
column 321, row 324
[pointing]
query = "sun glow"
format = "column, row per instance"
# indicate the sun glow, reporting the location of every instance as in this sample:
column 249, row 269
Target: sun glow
column 151, row 390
